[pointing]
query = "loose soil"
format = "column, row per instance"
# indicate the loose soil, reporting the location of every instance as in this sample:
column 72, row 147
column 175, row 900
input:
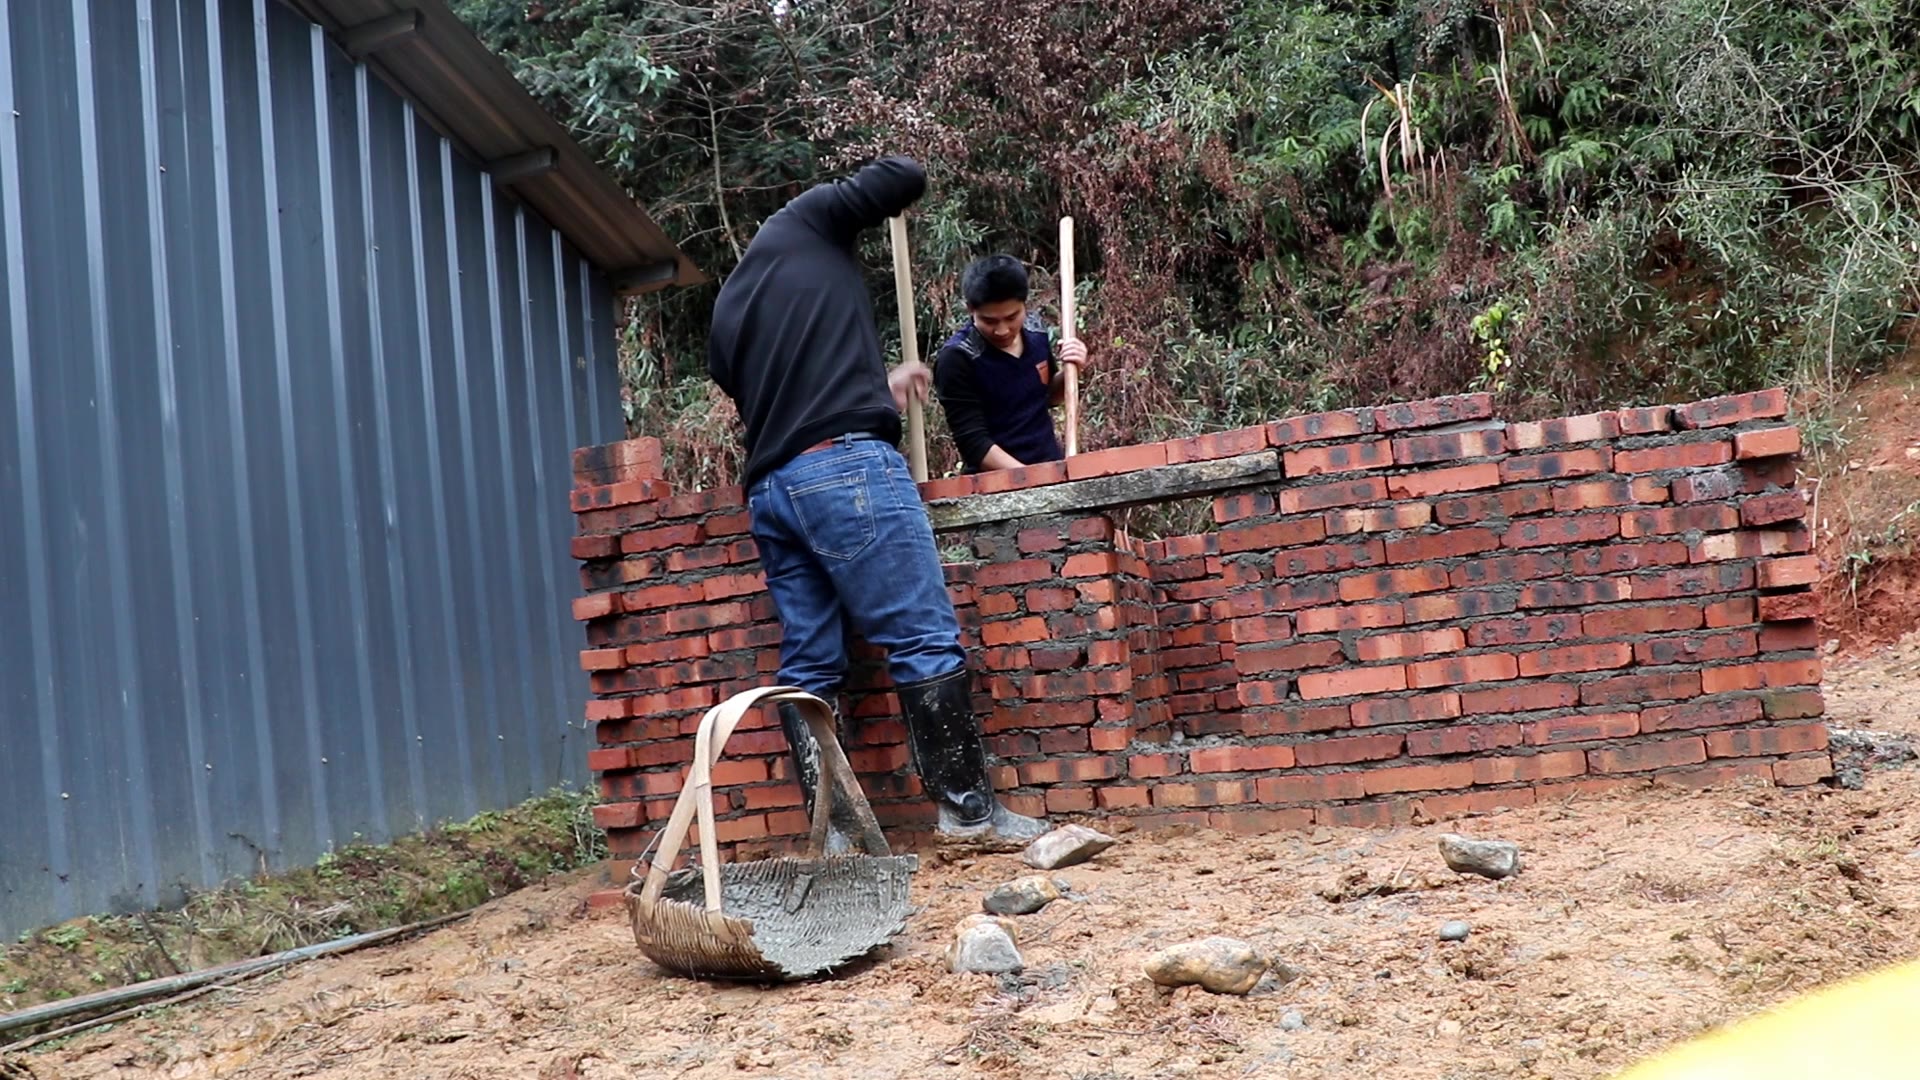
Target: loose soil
column 1862, row 473
column 1640, row 919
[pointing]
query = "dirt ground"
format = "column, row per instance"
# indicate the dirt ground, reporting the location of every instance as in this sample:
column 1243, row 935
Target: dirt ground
column 1639, row 920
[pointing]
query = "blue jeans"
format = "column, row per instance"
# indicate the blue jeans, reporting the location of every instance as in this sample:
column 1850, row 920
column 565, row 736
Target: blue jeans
column 845, row 542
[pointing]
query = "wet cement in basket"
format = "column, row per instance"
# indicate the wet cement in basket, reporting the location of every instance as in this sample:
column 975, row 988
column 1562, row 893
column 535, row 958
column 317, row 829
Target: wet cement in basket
column 811, row 915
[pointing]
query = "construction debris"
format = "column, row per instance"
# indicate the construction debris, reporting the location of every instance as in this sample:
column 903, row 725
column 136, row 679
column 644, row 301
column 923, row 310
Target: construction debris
column 1488, row 858
column 1068, row 845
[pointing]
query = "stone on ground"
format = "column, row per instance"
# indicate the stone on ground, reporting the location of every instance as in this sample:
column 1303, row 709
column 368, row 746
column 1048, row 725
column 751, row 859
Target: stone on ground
column 1488, row 858
column 984, row 945
column 1067, row 845
column 1022, row 896
column 1457, row 930
column 1218, row 965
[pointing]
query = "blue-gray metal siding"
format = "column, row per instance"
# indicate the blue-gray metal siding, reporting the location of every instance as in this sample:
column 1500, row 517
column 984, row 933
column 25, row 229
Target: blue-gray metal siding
column 288, row 391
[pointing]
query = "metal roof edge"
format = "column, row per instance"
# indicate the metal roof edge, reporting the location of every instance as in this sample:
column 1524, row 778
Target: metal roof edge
column 466, row 92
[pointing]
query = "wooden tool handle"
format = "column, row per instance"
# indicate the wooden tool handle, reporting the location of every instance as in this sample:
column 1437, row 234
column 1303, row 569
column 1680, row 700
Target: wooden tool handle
column 1067, row 332
column 909, row 345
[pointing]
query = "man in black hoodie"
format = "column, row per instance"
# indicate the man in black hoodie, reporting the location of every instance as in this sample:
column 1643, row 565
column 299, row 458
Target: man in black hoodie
column 842, row 533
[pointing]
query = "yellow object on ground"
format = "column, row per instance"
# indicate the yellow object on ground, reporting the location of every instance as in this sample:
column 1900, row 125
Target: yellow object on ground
column 1864, row 1029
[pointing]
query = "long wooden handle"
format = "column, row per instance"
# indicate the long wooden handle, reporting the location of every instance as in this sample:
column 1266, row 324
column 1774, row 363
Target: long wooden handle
column 909, row 346
column 1067, row 332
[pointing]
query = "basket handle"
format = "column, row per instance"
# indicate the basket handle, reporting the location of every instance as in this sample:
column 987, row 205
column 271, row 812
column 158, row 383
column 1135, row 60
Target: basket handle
column 696, row 798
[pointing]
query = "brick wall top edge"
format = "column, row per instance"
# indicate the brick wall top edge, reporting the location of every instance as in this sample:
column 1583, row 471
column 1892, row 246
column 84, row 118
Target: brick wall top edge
column 630, row 471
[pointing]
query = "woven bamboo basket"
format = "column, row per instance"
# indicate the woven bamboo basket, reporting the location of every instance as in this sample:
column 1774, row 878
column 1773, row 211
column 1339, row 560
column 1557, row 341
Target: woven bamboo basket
column 768, row 919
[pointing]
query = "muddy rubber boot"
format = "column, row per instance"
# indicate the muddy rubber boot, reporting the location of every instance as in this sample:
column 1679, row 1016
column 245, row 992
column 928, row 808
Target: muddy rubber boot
column 842, row 825
column 952, row 762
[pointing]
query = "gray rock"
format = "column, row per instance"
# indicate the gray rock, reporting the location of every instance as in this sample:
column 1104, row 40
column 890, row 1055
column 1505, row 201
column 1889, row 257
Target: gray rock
column 1489, row 858
column 1065, row 846
column 1457, row 930
column 984, row 946
column 1218, row 965
column 1291, row 1020
column 1021, row 896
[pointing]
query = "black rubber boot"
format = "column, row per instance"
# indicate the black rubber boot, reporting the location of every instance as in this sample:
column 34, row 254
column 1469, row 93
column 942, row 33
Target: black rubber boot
column 841, row 822
column 952, row 761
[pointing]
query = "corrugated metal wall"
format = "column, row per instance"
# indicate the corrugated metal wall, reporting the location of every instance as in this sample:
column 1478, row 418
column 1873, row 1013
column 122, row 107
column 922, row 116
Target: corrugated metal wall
column 288, row 393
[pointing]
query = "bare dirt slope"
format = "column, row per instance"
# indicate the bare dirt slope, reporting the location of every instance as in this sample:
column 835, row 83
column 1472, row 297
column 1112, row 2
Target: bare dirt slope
column 1639, row 920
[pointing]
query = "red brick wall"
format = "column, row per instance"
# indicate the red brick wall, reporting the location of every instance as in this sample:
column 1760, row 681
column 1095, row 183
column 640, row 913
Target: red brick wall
column 1424, row 611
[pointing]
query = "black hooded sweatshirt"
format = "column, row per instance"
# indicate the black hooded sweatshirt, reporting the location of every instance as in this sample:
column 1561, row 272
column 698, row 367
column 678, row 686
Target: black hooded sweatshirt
column 794, row 342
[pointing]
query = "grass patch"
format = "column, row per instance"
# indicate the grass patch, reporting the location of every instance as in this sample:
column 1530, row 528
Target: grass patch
column 351, row 890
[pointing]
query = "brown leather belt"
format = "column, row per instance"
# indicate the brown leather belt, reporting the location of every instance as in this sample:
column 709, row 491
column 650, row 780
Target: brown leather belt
column 825, row 444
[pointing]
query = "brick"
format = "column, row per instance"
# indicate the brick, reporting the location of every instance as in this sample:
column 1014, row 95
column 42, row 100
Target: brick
column 1220, row 759
column 1574, row 593
column 1326, row 787
column 1308, row 498
column 1231, row 508
column 1553, row 765
column 624, row 815
column 655, row 597
column 1445, row 544
column 1451, row 446
column 1392, row 583
column 725, row 586
column 660, row 652
column 1430, row 482
column 1014, row 631
column 1253, row 660
column 1413, row 643
column 1696, row 648
column 1455, row 606
column 1220, row 444
column 1706, row 486
column 1434, row 412
column 1328, row 620
column 1462, row 739
column 1051, row 472
column 1487, row 667
column 1296, row 721
column 658, row 539
column 1594, row 495
column 1063, row 769
column 1593, row 427
column 1637, row 689
column 1765, row 443
column 1331, row 425
column 1379, row 712
column 1204, row 793
column 1793, row 704
column 1575, row 658
column 1013, row 573
column 1772, row 509
column 597, row 606
column 1124, row 797
column 1039, row 600
column 1693, row 455
column 1570, row 530
column 1347, row 750
column 1767, row 741
column 1326, row 558
column 1622, row 622
column 1642, row 757
column 1108, row 739
column 1524, row 630
column 1771, row 674
column 1069, row 800
column 1591, row 727
column 1379, row 519
column 1342, row 458
column 1417, row 778
column 1442, row 807
column 1353, row 682
column 1699, row 581
column 1288, row 597
column 1507, row 569
column 1248, row 693
column 1116, row 461
column 1278, row 534
column 1798, row 772
column 952, row 487
column 1152, row 766
column 1731, row 409
column 624, row 493
column 602, row 659
column 1261, row 628
column 1256, row 822
column 602, row 710
column 1785, row 573
column 594, row 547
column 1708, row 517
column 1527, row 697
column 1738, row 611
column 1559, row 466
column 1377, row 814
column 1699, row 714
column 1614, row 558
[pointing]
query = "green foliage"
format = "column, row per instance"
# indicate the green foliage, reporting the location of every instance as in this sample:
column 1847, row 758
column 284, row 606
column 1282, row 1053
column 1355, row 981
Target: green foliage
column 1286, row 205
